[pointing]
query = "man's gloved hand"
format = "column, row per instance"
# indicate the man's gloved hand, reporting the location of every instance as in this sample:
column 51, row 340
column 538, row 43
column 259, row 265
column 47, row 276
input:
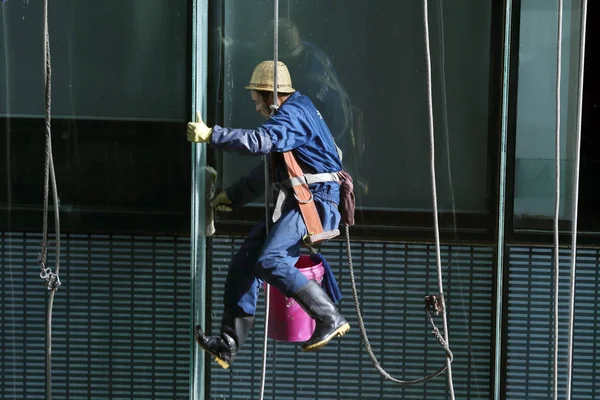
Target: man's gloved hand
column 221, row 202
column 198, row 132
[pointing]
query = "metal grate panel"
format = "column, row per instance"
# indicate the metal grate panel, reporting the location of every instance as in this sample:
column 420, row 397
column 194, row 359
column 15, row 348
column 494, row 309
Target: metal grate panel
column 530, row 360
column 120, row 323
column 392, row 282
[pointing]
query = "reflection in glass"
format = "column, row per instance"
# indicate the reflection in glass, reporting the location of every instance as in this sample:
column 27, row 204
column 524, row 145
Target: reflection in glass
column 363, row 65
column 536, row 108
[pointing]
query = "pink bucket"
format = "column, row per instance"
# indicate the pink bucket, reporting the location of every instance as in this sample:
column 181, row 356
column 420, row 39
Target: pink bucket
column 288, row 322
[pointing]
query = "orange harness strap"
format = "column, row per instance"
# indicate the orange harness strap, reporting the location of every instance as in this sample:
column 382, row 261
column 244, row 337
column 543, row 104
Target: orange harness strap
column 307, row 205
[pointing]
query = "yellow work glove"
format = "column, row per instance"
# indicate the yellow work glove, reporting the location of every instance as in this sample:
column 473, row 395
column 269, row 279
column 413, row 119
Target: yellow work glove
column 198, row 132
column 221, row 202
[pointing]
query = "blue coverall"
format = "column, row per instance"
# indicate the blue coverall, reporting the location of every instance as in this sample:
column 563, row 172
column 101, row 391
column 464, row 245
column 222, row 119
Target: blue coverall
column 298, row 126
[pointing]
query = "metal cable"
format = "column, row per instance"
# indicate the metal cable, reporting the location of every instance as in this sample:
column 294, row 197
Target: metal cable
column 575, row 204
column 434, row 191
column 557, row 197
column 267, row 191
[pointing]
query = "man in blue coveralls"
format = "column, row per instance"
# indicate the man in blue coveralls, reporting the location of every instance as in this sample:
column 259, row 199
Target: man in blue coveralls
column 295, row 126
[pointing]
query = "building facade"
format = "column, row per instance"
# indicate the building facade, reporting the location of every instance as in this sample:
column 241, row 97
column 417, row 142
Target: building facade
column 137, row 273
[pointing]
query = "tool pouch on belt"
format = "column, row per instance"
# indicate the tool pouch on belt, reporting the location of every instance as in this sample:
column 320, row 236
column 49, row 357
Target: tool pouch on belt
column 306, row 204
column 347, row 202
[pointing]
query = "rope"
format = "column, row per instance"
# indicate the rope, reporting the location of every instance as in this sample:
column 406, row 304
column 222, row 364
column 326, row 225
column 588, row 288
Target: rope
column 274, row 108
column 275, row 54
column 557, row 197
column 51, row 278
column 434, row 192
column 576, row 197
column 500, row 239
column 365, row 338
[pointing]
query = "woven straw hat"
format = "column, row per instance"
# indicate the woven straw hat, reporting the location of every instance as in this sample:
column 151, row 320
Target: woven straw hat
column 262, row 78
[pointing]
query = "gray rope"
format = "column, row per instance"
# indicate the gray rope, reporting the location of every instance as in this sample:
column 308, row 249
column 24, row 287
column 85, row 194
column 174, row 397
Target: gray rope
column 575, row 204
column 274, row 108
column 500, row 245
column 365, row 338
column 275, row 105
column 275, row 53
column 557, row 198
column 49, row 174
column 434, row 192
column 52, row 278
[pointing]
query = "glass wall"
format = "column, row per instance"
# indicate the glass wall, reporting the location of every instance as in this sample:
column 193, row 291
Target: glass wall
column 534, row 182
column 363, row 64
column 120, row 101
column 111, row 59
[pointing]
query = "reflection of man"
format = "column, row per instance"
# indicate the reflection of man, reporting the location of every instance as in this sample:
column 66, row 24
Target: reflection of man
column 296, row 126
column 314, row 76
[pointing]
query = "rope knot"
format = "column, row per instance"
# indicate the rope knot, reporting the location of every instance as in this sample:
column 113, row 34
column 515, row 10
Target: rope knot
column 52, row 280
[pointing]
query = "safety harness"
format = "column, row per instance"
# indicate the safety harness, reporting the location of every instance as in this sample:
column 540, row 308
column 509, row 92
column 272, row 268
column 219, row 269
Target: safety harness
column 299, row 181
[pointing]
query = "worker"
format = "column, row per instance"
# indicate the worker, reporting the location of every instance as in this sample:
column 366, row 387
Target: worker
column 297, row 126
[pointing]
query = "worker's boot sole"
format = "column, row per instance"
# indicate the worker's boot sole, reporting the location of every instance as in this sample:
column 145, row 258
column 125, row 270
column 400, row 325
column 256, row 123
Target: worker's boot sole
column 217, row 357
column 339, row 332
column 224, row 364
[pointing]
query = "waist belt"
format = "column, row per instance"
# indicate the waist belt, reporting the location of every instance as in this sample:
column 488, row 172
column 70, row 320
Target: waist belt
column 299, row 182
column 307, row 179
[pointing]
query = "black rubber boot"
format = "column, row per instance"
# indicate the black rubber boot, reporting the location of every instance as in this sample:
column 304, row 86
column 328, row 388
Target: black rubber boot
column 225, row 347
column 329, row 322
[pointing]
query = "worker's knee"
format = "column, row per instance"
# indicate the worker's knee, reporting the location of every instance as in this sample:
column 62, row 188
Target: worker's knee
column 281, row 273
column 265, row 268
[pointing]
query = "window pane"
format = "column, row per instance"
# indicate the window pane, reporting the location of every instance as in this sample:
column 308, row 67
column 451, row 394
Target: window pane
column 120, row 84
column 110, row 59
column 363, row 65
column 536, row 109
